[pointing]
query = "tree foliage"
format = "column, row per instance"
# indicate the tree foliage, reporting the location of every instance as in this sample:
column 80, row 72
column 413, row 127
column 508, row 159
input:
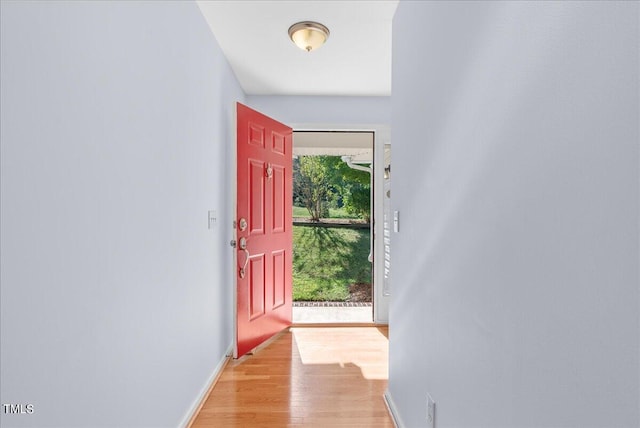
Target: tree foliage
column 321, row 182
column 312, row 185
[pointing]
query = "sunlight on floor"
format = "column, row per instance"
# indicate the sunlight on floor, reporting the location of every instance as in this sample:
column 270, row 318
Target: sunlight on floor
column 365, row 352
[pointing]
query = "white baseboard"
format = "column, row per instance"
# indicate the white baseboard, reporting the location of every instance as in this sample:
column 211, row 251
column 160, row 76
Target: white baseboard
column 204, row 393
column 393, row 410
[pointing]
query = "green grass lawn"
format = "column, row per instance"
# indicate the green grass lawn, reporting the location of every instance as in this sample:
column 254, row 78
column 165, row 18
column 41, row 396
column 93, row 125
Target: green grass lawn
column 327, row 260
column 333, row 213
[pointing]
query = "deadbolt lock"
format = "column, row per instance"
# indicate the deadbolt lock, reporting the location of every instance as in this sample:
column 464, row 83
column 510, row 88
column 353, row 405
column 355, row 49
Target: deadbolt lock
column 243, row 224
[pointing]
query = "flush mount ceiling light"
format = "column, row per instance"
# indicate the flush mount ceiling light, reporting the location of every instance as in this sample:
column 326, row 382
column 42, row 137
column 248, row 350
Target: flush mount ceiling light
column 308, row 35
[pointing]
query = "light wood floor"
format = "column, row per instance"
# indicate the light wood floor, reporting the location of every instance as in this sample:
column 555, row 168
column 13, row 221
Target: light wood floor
column 311, row 377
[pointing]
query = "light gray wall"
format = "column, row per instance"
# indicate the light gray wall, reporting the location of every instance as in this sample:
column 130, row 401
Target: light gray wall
column 116, row 298
column 515, row 171
column 330, row 110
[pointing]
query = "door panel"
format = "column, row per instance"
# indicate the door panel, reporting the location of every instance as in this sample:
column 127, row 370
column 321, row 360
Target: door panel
column 256, row 192
column 256, row 286
column 279, row 143
column 279, row 200
column 264, row 195
column 279, row 281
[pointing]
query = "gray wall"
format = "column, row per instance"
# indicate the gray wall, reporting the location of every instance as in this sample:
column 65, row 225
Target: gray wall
column 116, row 298
column 326, row 110
column 515, row 171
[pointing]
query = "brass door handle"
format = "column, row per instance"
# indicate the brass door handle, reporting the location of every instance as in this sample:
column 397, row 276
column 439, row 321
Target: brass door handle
column 242, row 245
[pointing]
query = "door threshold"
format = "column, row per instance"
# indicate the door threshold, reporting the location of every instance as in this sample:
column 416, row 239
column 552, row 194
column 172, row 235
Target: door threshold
column 327, row 313
column 337, row 324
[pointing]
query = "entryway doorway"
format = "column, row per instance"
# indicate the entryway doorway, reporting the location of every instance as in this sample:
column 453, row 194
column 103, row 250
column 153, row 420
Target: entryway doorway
column 334, row 263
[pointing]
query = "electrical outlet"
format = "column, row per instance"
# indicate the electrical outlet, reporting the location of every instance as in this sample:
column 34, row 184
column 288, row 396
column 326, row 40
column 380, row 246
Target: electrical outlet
column 431, row 412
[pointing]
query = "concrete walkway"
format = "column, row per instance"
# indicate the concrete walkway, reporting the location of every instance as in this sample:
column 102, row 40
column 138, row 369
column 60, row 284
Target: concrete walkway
column 302, row 315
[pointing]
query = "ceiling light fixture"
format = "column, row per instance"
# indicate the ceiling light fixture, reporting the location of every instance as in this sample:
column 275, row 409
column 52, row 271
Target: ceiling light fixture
column 308, row 35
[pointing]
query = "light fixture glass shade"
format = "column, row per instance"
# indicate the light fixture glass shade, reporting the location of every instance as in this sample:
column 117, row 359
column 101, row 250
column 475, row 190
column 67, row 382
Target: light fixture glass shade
column 308, row 35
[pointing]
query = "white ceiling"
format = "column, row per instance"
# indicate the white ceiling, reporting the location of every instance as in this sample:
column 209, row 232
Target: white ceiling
column 356, row 60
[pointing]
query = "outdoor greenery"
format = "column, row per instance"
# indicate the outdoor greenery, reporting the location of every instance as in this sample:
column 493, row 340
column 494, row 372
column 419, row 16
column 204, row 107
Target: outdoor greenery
column 311, row 185
column 327, row 260
column 324, row 182
column 302, row 212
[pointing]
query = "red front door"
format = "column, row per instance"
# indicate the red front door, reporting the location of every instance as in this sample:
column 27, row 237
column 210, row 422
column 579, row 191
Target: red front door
column 263, row 227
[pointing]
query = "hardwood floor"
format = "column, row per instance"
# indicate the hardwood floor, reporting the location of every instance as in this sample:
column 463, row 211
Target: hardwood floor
column 308, row 376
